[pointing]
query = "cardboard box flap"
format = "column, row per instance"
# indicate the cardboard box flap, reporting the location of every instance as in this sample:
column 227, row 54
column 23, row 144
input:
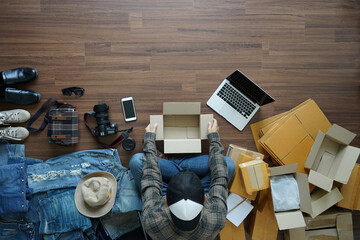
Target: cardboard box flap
column 289, row 220
column 350, row 155
column 341, row 134
column 182, row 146
column 304, row 192
column 314, row 149
column 344, row 226
column 286, row 169
column 160, row 128
column 322, row 200
column 181, row 108
column 204, row 119
column 320, row 180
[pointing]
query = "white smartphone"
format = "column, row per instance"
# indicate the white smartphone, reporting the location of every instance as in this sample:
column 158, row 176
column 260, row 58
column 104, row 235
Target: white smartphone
column 128, row 107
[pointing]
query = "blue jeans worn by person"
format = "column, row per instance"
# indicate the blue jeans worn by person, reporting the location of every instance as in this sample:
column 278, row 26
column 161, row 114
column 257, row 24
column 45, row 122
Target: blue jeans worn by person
column 198, row 164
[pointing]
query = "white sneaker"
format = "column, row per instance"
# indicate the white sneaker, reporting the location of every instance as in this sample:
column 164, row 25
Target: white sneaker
column 14, row 133
column 14, row 116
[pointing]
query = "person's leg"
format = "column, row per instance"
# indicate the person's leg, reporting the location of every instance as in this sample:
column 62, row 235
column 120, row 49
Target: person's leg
column 167, row 168
column 200, row 166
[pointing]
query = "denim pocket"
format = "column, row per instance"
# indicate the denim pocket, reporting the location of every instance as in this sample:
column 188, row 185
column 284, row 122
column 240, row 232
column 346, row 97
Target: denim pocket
column 7, row 233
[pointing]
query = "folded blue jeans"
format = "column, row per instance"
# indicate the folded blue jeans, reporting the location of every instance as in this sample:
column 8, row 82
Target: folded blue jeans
column 13, row 190
column 58, row 213
column 66, row 170
column 18, row 231
column 198, row 164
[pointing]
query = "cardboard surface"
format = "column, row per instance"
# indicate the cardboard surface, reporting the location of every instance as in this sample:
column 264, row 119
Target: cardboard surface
column 238, row 186
column 332, row 224
column 294, row 219
column 181, row 126
column 289, row 138
column 331, row 158
column 351, row 191
column 255, row 175
column 322, row 200
column 290, row 219
column 231, row 232
column 234, row 152
column 258, row 129
column 263, row 225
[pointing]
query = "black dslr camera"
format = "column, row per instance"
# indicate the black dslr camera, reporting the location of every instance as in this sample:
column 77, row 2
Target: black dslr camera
column 104, row 127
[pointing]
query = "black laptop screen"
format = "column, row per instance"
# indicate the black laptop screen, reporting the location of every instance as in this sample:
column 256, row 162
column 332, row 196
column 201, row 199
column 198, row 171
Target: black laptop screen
column 249, row 88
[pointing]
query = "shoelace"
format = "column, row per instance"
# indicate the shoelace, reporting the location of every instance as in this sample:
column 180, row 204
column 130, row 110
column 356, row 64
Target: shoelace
column 4, row 117
column 8, row 132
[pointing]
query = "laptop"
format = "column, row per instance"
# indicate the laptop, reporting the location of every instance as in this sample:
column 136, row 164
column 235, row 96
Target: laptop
column 238, row 98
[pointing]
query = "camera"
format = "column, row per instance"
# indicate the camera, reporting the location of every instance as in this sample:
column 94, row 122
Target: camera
column 104, row 127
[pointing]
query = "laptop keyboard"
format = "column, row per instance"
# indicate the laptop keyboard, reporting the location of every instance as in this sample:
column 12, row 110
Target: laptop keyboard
column 236, row 100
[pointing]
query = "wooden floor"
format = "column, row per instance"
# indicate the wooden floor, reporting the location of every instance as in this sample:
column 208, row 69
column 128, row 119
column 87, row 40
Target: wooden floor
column 169, row 50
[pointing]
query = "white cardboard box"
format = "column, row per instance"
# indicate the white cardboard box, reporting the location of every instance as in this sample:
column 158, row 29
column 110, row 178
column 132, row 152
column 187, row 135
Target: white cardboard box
column 181, row 127
column 331, row 158
column 294, row 218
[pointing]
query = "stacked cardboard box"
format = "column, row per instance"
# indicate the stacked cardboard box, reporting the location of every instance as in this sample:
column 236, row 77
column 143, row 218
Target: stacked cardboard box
column 288, row 137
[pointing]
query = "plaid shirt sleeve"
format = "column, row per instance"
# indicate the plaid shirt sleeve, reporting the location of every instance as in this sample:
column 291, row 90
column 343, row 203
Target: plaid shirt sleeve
column 154, row 209
column 218, row 168
column 151, row 182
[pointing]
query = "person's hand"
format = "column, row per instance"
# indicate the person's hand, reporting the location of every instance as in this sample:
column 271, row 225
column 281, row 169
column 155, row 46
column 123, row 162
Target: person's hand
column 151, row 129
column 213, row 126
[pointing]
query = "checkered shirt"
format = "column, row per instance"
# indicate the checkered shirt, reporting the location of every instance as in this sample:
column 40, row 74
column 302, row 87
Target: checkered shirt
column 156, row 215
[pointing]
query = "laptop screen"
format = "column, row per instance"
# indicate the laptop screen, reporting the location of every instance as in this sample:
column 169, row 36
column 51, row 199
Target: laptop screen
column 249, row 88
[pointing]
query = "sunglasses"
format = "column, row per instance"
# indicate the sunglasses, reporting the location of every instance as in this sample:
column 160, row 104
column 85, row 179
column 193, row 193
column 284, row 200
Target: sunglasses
column 78, row 91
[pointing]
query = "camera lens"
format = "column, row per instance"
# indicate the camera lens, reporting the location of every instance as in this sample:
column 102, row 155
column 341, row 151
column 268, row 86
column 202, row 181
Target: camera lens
column 129, row 144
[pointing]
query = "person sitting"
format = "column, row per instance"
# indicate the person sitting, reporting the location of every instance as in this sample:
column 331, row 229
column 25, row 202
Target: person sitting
column 183, row 198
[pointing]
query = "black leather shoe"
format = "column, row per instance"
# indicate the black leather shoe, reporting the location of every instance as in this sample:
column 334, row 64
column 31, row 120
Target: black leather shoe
column 20, row 97
column 18, row 75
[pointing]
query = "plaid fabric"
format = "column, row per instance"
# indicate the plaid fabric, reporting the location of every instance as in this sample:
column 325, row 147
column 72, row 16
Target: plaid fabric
column 63, row 126
column 156, row 215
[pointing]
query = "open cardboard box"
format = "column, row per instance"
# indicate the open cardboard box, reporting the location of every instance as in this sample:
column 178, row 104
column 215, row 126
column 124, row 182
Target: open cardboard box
column 331, row 158
column 181, row 127
column 294, row 218
column 332, row 224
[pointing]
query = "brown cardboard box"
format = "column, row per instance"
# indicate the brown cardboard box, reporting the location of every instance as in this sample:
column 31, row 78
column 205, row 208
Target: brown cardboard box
column 255, row 175
column 181, row 127
column 231, row 232
column 234, row 152
column 290, row 139
column 239, row 155
column 294, row 218
column 238, row 185
column 259, row 129
column 351, row 191
column 333, row 224
column 263, row 225
column 331, row 158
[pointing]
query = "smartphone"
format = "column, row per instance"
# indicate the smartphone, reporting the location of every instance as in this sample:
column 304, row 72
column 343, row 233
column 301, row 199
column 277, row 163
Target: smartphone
column 128, row 107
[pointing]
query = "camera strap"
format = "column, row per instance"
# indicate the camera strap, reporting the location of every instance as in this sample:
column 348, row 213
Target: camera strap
column 119, row 139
